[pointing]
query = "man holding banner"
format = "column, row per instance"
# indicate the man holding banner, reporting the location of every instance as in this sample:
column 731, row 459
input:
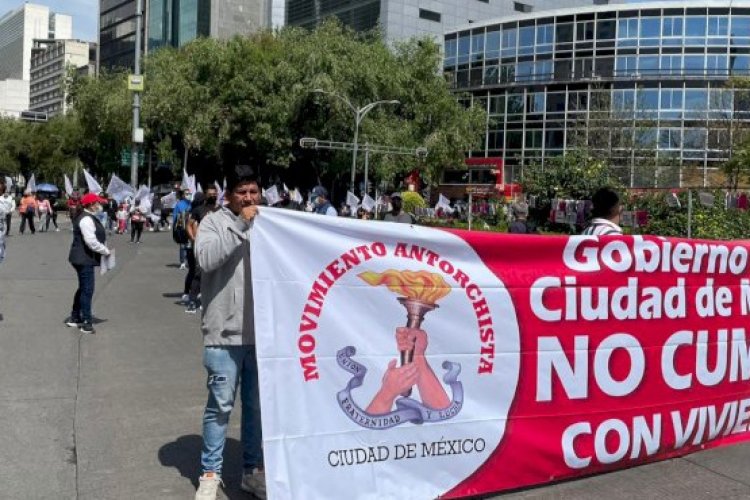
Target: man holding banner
column 222, row 248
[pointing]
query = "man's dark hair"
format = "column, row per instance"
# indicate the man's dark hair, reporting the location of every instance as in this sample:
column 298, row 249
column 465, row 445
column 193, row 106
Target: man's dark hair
column 3, row 187
column 606, row 203
column 241, row 174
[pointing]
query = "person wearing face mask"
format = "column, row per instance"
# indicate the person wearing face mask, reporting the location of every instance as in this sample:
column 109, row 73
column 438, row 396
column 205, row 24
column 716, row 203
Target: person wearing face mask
column 222, row 249
column 203, row 204
column 397, row 213
column 89, row 244
column 321, row 203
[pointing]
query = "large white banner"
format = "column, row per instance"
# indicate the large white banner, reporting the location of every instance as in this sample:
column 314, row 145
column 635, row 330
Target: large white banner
column 380, row 374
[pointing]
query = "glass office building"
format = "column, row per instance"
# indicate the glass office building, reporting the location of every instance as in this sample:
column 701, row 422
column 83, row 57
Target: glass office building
column 117, row 21
column 177, row 22
column 647, row 85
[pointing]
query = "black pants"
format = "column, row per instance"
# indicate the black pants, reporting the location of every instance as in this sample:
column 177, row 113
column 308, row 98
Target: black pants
column 50, row 217
column 136, row 229
column 30, row 218
column 7, row 224
column 190, row 257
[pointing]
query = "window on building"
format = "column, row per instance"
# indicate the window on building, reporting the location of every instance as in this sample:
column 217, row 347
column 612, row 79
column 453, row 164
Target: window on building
column 477, row 46
column 694, row 138
column 429, row 15
column 605, row 30
column 695, row 27
column 739, row 65
column 672, row 27
column 545, row 37
column 522, row 7
column 671, row 99
column 564, row 33
column 694, row 65
column 649, row 28
column 648, row 65
column 464, row 47
column 526, row 40
column 625, row 65
column 671, row 64
column 585, row 31
column 670, row 138
column 718, row 26
column 716, row 64
column 627, row 29
column 509, row 42
column 492, row 44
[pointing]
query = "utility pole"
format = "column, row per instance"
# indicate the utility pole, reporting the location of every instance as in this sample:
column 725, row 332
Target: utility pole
column 137, row 130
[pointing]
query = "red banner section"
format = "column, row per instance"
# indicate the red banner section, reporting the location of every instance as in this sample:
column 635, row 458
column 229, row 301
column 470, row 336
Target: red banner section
column 633, row 349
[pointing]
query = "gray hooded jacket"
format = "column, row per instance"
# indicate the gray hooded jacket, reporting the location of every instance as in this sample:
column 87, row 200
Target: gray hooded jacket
column 222, row 249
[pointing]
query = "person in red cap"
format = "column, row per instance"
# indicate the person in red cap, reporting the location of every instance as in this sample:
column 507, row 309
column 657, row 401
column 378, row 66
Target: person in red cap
column 89, row 238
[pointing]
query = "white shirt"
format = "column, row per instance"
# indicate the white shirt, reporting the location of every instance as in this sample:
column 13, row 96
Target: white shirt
column 332, row 212
column 88, row 230
column 7, row 205
column 602, row 227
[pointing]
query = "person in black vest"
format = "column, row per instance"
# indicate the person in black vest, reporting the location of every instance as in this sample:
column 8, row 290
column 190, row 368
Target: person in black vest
column 89, row 237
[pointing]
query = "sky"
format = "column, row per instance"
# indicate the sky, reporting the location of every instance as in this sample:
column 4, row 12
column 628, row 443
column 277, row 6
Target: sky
column 84, row 13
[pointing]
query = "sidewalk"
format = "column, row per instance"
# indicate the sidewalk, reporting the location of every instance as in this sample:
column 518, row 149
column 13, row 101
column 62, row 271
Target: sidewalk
column 117, row 415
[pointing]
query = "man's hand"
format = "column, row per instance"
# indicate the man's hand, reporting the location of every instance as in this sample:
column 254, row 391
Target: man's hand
column 249, row 212
column 411, row 338
column 399, row 379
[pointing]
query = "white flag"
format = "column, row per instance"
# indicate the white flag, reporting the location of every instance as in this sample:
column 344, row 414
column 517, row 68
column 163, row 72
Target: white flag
column 93, row 186
column 185, row 181
column 144, row 196
column 444, row 203
column 193, row 187
column 286, row 189
column 219, row 193
column 68, row 185
column 118, row 189
column 368, row 203
column 31, row 185
column 296, row 196
column 169, row 201
column 352, row 201
column 272, row 196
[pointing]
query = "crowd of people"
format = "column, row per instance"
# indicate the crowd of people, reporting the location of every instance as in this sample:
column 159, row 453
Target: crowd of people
column 213, row 233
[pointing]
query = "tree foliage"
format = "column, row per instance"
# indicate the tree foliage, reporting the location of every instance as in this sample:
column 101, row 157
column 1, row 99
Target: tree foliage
column 250, row 100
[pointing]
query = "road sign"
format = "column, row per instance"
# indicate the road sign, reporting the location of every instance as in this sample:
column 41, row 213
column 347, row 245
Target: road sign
column 135, row 83
column 126, row 156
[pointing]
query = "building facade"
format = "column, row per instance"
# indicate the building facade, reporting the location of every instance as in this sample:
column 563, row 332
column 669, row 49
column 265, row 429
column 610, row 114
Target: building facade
column 117, row 21
column 177, row 22
column 14, row 97
column 400, row 19
column 18, row 30
column 50, row 62
column 644, row 85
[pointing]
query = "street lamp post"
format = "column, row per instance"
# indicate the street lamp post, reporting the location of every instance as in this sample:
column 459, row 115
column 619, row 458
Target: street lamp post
column 359, row 115
column 136, row 139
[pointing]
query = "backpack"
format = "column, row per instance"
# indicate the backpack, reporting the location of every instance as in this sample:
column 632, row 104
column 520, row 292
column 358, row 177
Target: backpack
column 179, row 231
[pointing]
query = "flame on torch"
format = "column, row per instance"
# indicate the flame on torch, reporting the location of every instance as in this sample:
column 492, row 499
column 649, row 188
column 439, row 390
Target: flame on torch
column 416, row 285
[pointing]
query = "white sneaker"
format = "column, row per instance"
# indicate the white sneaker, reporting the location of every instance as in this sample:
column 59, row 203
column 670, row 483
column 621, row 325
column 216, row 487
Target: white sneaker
column 208, row 487
column 254, row 482
column 185, row 300
column 183, row 267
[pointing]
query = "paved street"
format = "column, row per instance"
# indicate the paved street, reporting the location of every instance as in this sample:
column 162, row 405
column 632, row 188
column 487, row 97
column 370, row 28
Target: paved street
column 117, row 415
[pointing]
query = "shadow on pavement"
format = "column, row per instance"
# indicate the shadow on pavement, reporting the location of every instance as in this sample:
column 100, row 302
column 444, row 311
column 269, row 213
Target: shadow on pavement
column 172, row 295
column 184, row 454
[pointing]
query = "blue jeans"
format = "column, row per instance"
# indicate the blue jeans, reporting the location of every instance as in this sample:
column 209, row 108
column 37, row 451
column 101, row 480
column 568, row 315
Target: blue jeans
column 183, row 253
column 228, row 366
column 84, row 295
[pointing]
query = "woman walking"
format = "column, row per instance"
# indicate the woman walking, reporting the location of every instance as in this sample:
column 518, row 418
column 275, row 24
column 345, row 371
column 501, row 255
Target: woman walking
column 137, row 220
column 27, row 209
column 89, row 238
column 44, row 209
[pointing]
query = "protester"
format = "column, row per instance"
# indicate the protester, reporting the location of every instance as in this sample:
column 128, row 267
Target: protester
column 200, row 209
column 180, row 216
column 89, row 238
column 137, row 220
column 27, row 209
column 606, row 213
column 321, row 203
column 7, row 206
column 222, row 249
column 198, row 200
column 44, row 208
column 122, row 219
column 74, row 205
column 111, row 210
column 397, row 213
column 520, row 225
column 5, row 209
column 156, row 210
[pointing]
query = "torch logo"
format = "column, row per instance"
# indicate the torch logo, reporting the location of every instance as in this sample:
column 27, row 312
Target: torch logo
column 419, row 293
